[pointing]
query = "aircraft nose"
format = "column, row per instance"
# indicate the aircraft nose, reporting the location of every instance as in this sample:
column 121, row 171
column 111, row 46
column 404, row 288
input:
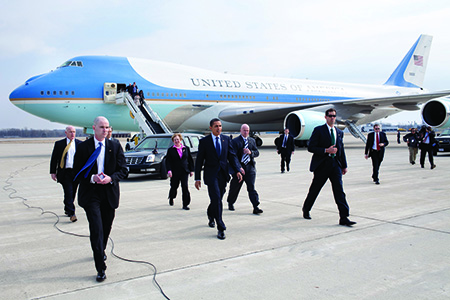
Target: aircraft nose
column 26, row 91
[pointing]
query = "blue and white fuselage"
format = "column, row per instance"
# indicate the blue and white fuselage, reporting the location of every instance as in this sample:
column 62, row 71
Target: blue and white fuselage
column 186, row 98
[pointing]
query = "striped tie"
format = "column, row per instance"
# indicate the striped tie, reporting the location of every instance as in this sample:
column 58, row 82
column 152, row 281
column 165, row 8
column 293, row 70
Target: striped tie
column 245, row 157
column 63, row 159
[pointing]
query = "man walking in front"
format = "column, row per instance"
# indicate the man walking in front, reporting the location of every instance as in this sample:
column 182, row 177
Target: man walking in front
column 61, row 169
column 328, row 162
column 99, row 165
column 246, row 150
column 215, row 152
column 376, row 142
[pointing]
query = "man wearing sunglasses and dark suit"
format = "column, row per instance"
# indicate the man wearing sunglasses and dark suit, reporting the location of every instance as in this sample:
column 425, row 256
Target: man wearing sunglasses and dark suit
column 328, row 162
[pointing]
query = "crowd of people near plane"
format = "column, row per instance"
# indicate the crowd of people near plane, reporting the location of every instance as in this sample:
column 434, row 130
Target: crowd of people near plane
column 218, row 157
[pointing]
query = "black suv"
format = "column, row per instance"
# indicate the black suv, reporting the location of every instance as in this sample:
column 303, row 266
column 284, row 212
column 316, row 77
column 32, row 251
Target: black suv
column 149, row 156
column 443, row 141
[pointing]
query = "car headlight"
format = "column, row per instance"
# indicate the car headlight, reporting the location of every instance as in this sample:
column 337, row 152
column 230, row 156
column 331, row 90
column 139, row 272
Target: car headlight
column 150, row 158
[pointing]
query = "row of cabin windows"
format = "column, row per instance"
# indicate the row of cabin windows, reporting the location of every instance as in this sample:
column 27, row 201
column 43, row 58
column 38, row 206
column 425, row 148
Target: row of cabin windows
column 180, row 95
column 55, row 93
column 236, row 97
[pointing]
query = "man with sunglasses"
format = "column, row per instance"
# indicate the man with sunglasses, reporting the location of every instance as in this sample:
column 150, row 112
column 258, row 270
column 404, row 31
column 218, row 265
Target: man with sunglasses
column 376, row 142
column 328, row 162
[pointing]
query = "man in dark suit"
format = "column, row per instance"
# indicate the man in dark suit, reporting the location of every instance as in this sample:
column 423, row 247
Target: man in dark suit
column 328, row 162
column 61, row 169
column 285, row 147
column 376, row 142
column 215, row 151
column 99, row 165
column 427, row 143
column 246, row 151
column 110, row 137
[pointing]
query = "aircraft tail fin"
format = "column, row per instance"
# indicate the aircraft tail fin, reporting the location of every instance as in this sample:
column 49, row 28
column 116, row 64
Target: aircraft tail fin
column 411, row 71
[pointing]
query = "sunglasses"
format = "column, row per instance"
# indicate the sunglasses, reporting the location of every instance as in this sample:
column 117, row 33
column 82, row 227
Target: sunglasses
column 331, row 116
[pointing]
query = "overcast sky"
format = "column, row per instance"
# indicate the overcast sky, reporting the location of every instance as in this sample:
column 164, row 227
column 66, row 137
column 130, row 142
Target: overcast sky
column 348, row 41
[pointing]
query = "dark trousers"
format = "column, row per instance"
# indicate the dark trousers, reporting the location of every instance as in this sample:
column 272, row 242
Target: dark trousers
column 215, row 192
column 249, row 179
column 175, row 180
column 377, row 158
column 100, row 216
column 65, row 178
column 329, row 169
column 285, row 158
column 424, row 149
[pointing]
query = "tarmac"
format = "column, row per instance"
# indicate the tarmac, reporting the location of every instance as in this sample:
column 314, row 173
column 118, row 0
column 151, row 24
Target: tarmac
column 399, row 248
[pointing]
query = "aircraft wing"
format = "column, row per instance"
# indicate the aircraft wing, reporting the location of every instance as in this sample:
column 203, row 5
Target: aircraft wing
column 272, row 113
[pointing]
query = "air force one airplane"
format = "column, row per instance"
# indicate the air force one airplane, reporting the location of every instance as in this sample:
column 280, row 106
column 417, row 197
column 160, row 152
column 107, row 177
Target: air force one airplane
column 186, row 98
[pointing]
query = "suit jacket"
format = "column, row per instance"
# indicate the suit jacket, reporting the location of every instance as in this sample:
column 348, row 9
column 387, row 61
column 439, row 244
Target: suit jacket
column 213, row 164
column 370, row 141
column 238, row 144
column 319, row 141
column 432, row 141
column 178, row 164
column 290, row 146
column 58, row 150
column 114, row 166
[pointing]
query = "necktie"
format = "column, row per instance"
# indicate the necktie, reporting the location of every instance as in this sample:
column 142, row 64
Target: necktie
column 245, row 157
column 63, row 160
column 333, row 141
column 217, row 146
column 91, row 160
column 284, row 141
column 378, row 142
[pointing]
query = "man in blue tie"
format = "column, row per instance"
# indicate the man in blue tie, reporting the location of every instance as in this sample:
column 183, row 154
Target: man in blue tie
column 216, row 153
column 246, row 151
column 285, row 147
column 100, row 165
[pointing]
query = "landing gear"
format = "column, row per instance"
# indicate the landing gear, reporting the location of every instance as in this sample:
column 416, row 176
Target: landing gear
column 258, row 141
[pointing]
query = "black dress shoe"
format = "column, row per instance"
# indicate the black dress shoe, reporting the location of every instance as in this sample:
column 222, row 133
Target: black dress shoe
column 101, row 276
column 171, row 201
column 306, row 215
column 211, row 223
column 186, row 208
column 433, row 166
column 257, row 211
column 230, row 207
column 377, row 182
column 346, row 222
column 221, row 235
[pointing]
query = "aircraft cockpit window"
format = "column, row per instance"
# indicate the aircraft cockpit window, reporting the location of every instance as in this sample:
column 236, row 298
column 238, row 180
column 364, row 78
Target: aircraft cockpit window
column 71, row 63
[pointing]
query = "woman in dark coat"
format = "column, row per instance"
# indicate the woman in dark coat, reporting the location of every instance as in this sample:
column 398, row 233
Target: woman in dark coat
column 180, row 166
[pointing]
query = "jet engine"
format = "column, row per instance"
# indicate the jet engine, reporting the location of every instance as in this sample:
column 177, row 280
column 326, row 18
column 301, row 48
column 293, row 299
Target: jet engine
column 301, row 123
column 436, row 112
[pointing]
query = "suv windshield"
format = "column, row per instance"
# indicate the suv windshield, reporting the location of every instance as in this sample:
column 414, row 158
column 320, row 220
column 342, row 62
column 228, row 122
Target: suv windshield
column 445, row 132
column 152, row 143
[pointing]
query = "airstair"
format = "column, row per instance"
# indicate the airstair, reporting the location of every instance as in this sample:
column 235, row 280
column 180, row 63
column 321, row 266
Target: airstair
column 148, row 120
column 354, row 130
